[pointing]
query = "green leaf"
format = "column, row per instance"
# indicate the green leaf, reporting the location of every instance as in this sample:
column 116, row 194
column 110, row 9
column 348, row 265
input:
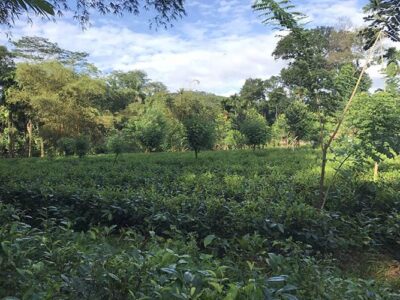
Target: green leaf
column 280, row 278
column 208, row 240
column 218, row 287
column 115, row 277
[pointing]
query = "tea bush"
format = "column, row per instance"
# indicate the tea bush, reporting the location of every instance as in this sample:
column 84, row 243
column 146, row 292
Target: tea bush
column 229, row 225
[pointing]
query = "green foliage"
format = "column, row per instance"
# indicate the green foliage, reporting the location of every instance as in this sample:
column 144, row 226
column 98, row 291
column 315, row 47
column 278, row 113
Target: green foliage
column 299, row 120
column 279, row 129
column 200, row 133
column 125, row 88
column 165, row 11
column 347, row 78
column 253, row 91
column 82, row 145
column 38, row 49
column 11, row 10
column 204, row 230
column 176, row 139
column 116, row 143
column 375, row 121
column 255, row 129
column 235, row 139
column 7, row 68
column 57, row 100
column 278, row 13
column 381, row 16
column 151, row 130
column 67, row 146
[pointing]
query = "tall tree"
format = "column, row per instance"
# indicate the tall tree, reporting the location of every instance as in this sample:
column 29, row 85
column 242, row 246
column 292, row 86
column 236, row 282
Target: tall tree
column 125, row 88
column 58, row 101
column 7, row 68
column 253, row 92
column 383, row 20
column 277, row 98
column 38, row 49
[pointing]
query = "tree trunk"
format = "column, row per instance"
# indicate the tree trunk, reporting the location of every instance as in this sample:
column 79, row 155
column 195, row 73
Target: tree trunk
column 195, row 153
column 41, row 147
column 29, row 127
column 322, row 198
column 376, row 171
column 10, row 136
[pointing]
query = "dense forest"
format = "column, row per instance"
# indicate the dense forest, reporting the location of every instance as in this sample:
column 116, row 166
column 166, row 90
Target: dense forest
column 112, row 186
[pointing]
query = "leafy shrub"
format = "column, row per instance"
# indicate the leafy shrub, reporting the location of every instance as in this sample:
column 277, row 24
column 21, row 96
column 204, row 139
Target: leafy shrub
column 200, row 133
column 300, row 121
column 235, row 139
column 176, row 136
column 236, row 224
column 151, row 130
column 116, row 144
column 67, row 146
column 255, row 129
column 82, row 146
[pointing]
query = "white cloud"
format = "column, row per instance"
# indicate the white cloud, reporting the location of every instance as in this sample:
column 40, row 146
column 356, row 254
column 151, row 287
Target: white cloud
column 220, row 63
column 328, row 12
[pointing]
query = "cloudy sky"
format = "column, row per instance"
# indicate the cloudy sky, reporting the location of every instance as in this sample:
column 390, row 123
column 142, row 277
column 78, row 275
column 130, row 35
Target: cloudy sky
column 214, row 48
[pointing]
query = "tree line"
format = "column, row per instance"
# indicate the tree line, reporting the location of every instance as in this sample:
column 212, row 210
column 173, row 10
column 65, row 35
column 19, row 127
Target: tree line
column 54, row 102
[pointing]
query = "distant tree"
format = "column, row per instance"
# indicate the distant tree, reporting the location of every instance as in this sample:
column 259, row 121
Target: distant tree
column 7, row 68
column 346, row 77
column 86, row 91
column 200, row 133
column 117, row 144
column 232, row 104
column 125, row 88
column 280, row 130
column 82, row 146
column 151, row 130
column 58, row 102
column 154, row 87
column 277, row 98
column 197, row 111
column 255, row 129
column 187, row 103
column 7, row 111
column 176, row 139
column 235, row 139
column 66, row 146
column 299, row 121
column 165, row 11
column 252, row 92
column 39, row 49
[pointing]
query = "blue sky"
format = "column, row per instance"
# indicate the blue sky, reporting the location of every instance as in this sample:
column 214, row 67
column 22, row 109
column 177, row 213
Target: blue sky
column 214, row 48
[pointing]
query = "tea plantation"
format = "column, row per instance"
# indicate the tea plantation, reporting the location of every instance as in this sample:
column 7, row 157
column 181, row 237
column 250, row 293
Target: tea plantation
column 228, row 225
